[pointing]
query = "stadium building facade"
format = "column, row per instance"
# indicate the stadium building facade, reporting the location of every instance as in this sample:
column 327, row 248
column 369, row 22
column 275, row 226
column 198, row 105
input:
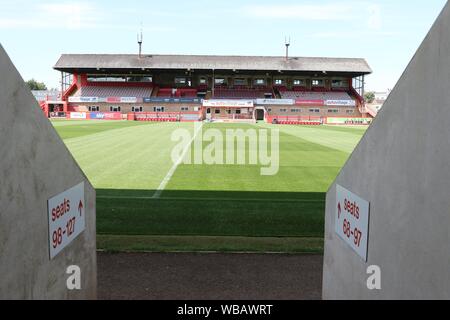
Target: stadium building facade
column 217, row 88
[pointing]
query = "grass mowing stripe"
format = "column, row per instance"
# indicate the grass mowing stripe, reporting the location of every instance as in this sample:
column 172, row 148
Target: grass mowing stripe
column 133, row 243
column 344, row 128
column 340, row 139
column 85, row 128
column 64, row 123
column 304, row 167
column 210, row 218
column 133, row 158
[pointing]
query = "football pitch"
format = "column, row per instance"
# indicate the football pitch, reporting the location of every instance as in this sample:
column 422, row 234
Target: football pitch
column 146, row 203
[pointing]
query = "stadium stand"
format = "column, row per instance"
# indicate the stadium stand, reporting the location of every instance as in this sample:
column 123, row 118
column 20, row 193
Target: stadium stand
column 106, row 92
column 242, row 93
column 177, row 93
column 160, row 82
column 280, row 88
column 165, row 92
column 307, row 95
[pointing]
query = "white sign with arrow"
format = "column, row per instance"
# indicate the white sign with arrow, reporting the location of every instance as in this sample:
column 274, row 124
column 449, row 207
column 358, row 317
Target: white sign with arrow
column 352, row 220
column 66, row 218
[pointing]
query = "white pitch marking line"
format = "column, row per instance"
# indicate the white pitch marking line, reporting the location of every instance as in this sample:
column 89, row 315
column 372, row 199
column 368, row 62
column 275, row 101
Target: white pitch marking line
column 212, row 199
column 172, row 170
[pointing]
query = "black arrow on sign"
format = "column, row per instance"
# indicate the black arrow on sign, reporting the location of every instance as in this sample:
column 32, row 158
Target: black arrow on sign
column 80, row 207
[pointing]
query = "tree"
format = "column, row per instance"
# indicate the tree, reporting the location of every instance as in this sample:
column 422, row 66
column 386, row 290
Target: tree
column 34, row 85
column 369, row 97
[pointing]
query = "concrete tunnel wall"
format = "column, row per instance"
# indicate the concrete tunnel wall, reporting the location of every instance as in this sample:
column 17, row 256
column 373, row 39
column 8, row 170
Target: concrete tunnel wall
column 35, row 165
column 402, row 167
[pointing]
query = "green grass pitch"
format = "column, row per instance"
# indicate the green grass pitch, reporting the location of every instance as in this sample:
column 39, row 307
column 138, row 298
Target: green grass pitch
column 204, row 207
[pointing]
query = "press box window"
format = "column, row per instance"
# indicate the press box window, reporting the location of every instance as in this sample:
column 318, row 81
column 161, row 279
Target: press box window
column 260, row 82
column 314, row 110
column 240, row 82
column 114, row 109
column 317, row 83
column 119, row 78
column 94, row 108
column 219, row 81
column 298, row 82
column 279, row 82
column 136, row 109
column 184, row 108
column 296, row 110
column 339, row 84
column 179, row 80
column 217, row 111
column 158, row 109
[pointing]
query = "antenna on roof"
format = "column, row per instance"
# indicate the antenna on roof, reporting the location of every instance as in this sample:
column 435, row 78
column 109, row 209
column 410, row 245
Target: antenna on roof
column 287, row 43
column 140, row 39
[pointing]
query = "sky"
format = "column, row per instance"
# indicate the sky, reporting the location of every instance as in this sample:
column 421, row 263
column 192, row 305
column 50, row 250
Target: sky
column 384, row 32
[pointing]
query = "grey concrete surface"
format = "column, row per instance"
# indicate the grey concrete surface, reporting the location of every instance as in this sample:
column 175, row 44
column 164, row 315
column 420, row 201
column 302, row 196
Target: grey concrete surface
column 35, row 166
column 186, row 276
column 402, row 166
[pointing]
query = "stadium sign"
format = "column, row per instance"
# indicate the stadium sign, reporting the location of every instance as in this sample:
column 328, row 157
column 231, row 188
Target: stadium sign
column 106, row 115
column 78, row 115
column 352, row 220
column 113, row 99
column 97, row 115
column 84, row 99
column 172, row 100
column 103, row 99
column 275, row 102
column 128, row 100
column 66, row 218
column 299, row 102
column 229, row 103
column 349, row 121
column 121, row 99
column 88, row 99
column 341, row 103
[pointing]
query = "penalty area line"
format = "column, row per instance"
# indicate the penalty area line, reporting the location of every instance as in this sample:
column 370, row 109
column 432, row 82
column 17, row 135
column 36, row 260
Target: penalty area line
column 172, row 170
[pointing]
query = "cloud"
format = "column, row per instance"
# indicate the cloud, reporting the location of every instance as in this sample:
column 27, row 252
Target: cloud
column 77, row 15
column 340, row 11
column 70, row 15
column 67, row 15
